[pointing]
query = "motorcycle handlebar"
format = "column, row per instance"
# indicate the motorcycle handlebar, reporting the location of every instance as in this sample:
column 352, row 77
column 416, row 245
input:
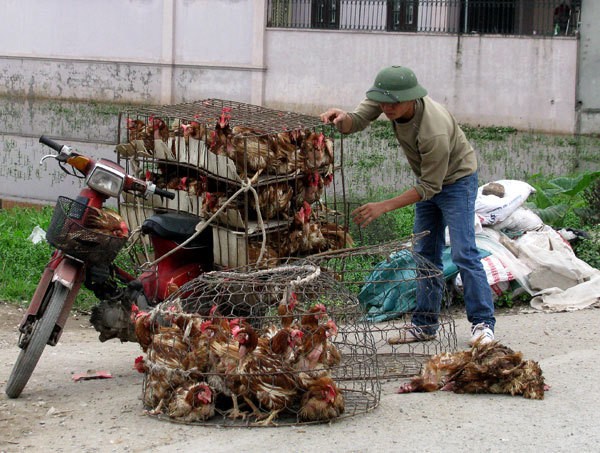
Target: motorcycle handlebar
column 164, row 193
column 51, row 143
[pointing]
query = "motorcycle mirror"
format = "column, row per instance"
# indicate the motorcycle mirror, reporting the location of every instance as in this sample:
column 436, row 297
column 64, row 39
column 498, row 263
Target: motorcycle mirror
column 47, row 156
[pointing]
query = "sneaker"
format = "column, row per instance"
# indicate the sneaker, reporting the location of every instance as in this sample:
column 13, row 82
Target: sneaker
column 481, row 333
column 409, row 333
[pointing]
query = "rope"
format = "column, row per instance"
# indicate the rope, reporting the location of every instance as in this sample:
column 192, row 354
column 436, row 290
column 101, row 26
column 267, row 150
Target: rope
column 201, row 226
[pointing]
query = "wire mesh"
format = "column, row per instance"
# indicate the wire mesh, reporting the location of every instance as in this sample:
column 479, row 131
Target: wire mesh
column 245, row 170
column 287, row 346
column 385, row 279
column 84, row 232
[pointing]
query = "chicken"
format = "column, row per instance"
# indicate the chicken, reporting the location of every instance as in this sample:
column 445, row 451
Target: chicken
column 262, row 378
column 321, row 401
column 336, row 237
column 309, row 188
column 220, row 139
column 308, row 238
column 168, row 348
column 286, row 156
column 310, row 355
column 286, row 308
column 106, row 222
column 310, row 321
column 273, row 200
column 156, row 178
column 145, row 326
column 162, row 366
column 197, row 358
column 195, row 186
column 251, row 152
column 223, row 361
column 332, row 356
column 136, row 129
column 160, row 130
column 318, row 152
column 284, row 344
column 212, row 202
column 176, row 183
column 270, row 258
column 195, row 130
column 485, row 368
column 192, row 402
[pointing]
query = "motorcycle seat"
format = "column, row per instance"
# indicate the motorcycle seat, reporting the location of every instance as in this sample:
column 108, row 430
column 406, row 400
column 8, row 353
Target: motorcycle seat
column 178, row 227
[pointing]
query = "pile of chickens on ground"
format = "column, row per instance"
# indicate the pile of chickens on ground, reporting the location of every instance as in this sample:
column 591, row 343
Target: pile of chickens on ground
column 306, row 154
column 197, row 367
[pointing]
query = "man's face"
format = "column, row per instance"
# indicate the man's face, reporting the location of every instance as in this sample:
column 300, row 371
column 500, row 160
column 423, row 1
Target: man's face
column 395, row 110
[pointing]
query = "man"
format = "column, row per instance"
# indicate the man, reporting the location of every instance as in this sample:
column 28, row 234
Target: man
column 446, row 168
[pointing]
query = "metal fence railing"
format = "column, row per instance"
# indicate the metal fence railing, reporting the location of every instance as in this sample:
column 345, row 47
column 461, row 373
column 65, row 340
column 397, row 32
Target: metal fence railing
column 505, row 17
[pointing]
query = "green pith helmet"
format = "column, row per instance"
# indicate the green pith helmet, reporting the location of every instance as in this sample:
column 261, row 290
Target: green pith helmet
column 395, row 84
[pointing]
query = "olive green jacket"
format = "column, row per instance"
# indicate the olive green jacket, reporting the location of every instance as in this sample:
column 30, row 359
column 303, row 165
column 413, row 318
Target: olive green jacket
column 433, row 142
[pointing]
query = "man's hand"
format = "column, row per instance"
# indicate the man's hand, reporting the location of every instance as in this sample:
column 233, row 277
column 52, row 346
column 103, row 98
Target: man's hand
column 368, row 212
column 339, row 118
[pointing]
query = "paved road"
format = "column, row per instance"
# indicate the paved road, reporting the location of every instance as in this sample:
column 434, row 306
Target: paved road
column 56, row 414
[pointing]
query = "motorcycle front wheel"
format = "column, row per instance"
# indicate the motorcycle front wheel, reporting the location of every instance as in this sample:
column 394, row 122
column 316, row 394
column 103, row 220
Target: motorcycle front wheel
column 41, row 333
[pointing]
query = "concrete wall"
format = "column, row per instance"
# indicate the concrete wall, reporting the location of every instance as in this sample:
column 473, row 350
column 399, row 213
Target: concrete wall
column 588, row 96
column 58, row 55
column 519, row 82
column 170, row 51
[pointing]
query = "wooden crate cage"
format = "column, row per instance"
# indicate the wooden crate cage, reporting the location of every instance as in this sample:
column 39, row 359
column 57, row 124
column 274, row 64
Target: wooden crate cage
column 261, row 179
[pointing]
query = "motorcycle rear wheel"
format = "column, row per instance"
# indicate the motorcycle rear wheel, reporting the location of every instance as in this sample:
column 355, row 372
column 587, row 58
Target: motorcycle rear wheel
column 42, row 330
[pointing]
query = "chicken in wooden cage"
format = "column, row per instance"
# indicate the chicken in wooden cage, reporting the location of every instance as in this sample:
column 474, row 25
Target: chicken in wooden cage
column 385, row 279
column 245, row 169
column 258, row 347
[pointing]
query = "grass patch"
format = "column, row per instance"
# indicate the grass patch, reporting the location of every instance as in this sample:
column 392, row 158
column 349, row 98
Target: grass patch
column 23, row 261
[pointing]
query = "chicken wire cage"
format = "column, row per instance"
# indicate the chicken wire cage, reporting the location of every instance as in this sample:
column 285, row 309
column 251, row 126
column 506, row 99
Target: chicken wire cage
column 285, row 346
column 385, row 279
column 77, row 230
column 246, row 170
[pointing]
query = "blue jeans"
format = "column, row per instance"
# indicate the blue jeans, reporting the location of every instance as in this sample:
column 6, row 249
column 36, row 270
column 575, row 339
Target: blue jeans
column 454, row 207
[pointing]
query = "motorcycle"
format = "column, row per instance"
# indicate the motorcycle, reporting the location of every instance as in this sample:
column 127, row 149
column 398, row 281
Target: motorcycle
column 87, row 238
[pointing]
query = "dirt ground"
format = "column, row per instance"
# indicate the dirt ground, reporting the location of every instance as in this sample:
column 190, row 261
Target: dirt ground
column 56, row 414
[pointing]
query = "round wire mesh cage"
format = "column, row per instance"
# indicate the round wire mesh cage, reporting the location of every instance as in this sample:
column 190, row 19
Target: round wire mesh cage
column 385, row 278
column 86, row 233
column 252, row 347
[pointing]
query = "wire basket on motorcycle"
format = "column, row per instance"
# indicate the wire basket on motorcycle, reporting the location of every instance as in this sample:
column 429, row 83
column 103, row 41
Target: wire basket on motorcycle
column 92, row 235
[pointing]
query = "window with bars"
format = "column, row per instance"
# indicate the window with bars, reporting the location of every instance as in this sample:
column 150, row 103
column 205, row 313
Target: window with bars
column 507, row 17
column 402, row 15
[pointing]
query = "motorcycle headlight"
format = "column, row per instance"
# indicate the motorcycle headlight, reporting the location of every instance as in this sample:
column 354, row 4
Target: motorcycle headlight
column 106, row 180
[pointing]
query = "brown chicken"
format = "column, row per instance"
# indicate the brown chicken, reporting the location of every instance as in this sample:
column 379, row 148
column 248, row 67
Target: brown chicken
column 136, row 130
column 192, row 402
column 160, row 131
column 336, row 236
column 195, row 186
column 274, row 200
column 223, row 361
column 163, row 366
column 168, row 348
column 252, row 152
column 310, row 320
column 304, row 236
column 106, row 222
column 220, row 139
column 318, row 152
column 262, row 378
column 197, row 358
column 485, row 368
column 321, row 401
column 312, row 351
column 286, row 157
column 270, row 258
column 145, row 326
